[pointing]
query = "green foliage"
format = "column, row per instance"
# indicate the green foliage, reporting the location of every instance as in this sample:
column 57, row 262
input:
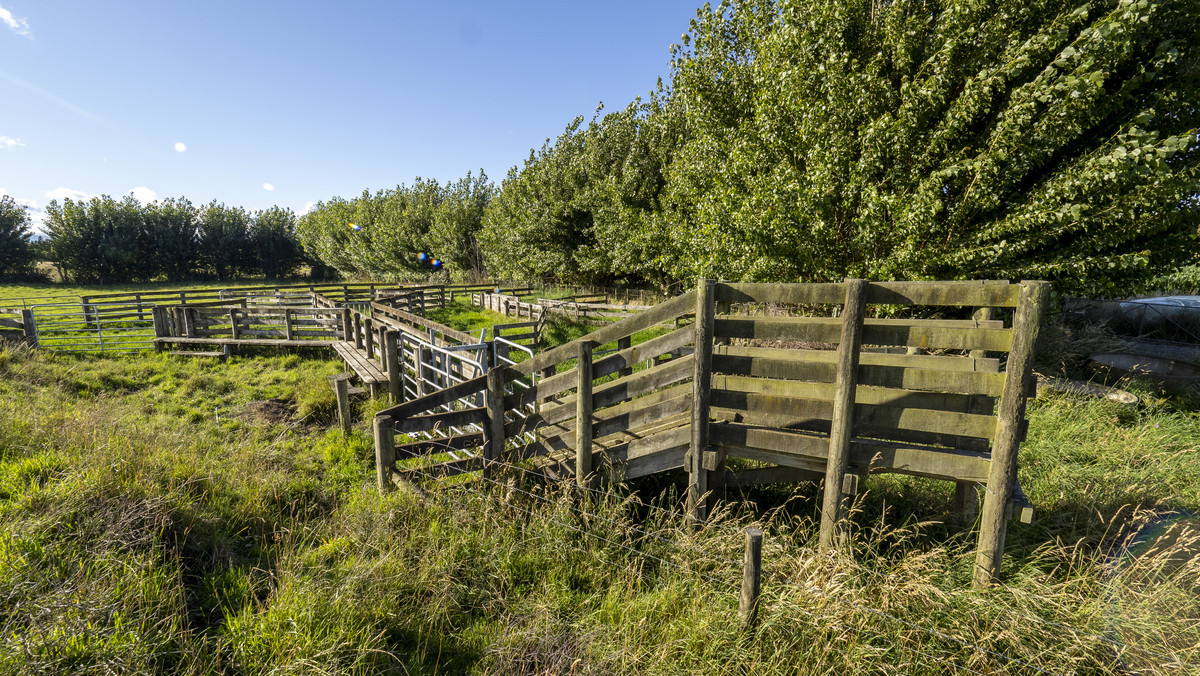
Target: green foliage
column 224, row 239
column 16, row 257
column 98, row 241
column 105, row 241
column 393, row 226
column 273, row 245
column 804, row 140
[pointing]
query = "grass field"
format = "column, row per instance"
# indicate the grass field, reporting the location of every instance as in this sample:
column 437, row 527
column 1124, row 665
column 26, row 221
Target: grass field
column 162, row 515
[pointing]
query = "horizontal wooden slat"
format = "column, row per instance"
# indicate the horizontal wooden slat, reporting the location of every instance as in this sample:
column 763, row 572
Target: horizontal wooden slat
column 457, row 442
column 631, row 415
column 863, row 394
column 264, row 342
column 677, row 306
column 963, row 294
column 629, row 387
column 436, row 399
column 926, row 334
column 612, row 363
column 781, row 364
column 444, row 420
column 798, row 449
column 869, row 419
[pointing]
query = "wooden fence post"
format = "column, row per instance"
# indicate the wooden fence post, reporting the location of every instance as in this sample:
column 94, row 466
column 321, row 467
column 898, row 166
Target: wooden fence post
column 385, row 452
column 1002, row 474
column 29, row 327
column 751, row 579
column 233, row 324
column 701, row 384
column 358, row 341
column 393, row 366
column 833, row 509
column 287, row 324
column 341, row 387
column 583, row 416
column 493, row 448
column 347, row 325
column 369, row 337
column 622, row 344
column 966, row 493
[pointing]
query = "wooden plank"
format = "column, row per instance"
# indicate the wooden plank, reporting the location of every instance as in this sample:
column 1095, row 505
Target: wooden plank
column 864, row 394
column 583, row 415
column 697, row 500
column 622, row 359
column 438, row 398
column 869, row 419
column 458, row 442
column 667, row 311
column 833, row 510
column 245, row 341
column 640, row 383
column 925, row 334
column 1035, row 296
column 416, row 320
column 809, row 451
column 939, row 374
column 965, row 294
column 444, row 420
column 631, row 415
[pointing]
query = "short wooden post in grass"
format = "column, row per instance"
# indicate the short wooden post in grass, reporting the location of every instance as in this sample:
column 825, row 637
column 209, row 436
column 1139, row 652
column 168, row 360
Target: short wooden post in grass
column 341, row 387
column 751, row 579
column 347, row 325
column 701, row 384
column 385, row 452
column 393, row 366
column 583, row 416
column 833, row 509
column 493, row 448
column 1002, row 474
column 29, row 328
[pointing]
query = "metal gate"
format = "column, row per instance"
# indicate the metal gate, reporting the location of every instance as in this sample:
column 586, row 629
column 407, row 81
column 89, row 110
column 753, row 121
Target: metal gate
column 97, row 327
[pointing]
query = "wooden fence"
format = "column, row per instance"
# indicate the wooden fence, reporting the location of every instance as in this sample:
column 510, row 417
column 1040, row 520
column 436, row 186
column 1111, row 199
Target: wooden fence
column 17, row 326
column 737, row 398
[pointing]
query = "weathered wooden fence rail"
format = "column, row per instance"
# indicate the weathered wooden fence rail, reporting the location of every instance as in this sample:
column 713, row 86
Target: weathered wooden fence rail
column 737, row 399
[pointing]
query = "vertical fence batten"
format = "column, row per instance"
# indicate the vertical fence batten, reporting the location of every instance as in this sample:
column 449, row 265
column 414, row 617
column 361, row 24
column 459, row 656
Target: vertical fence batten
column 842, row 422
column 583, row 415
column 1002, row 474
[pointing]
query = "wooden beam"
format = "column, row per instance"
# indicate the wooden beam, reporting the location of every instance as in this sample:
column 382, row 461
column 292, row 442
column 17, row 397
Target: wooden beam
column 697, row 506
column 1035, row 296
column 583, row 415
column 385, row 452
column 833, row 508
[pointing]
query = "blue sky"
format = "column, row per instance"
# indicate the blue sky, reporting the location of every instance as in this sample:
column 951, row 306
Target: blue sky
column 288, row 103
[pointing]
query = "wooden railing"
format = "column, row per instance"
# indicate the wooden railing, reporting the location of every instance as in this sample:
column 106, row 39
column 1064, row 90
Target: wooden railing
column 848, row 389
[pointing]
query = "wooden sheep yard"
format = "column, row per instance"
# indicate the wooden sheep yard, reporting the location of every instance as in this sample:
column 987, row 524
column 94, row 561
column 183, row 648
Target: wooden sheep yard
column 843, row 386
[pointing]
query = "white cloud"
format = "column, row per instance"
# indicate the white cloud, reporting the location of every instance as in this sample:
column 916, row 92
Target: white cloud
column 268, row 186
column 143, row 194
column 180, row 147
column 69, row 194
column 308, row 206
column 6, row 142
column 18, row 26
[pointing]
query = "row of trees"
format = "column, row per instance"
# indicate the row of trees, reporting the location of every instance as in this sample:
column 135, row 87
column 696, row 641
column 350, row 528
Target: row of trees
column 817, row 139
column 103, row 240
column 384, row 234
